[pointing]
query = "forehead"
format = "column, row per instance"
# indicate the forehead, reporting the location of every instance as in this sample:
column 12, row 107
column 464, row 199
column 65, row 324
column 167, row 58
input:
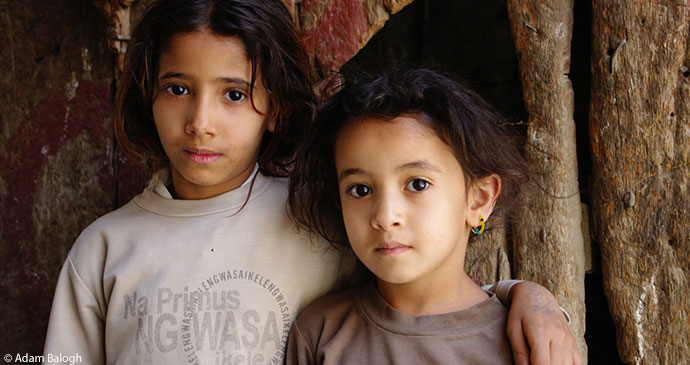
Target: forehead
column 203, row 49
column 405, row 137
column 405, row 125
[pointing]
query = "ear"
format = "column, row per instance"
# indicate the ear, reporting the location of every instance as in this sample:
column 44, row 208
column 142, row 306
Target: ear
column 271, row 118
column 482, row 198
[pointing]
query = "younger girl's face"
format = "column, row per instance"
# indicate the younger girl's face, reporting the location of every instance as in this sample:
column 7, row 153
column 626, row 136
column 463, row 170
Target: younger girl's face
column 205, row 119
column 404, row 200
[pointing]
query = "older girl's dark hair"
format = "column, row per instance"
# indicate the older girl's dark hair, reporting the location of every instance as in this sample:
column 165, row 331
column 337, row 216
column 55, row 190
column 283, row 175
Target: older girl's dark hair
column 479, row 137
column 273, row 48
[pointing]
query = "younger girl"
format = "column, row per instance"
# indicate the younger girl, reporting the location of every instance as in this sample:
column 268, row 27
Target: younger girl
column 204, row 266
column 412, row 162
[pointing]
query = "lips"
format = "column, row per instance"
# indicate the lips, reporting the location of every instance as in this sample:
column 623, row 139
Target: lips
column 392, row 248
column 202, row 156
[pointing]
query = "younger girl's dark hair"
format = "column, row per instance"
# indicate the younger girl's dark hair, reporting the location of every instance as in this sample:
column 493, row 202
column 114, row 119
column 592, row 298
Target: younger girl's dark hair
column 272, row 46
column 479, row 137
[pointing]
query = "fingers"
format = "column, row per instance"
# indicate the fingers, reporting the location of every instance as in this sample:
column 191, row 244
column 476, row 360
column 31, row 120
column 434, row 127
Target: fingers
column 540, row 348
column 577, row 359
column 569, row 352
column 537, row 330
column 518, row 343
column 559, row 354
column 564, row 349
column 574, row 359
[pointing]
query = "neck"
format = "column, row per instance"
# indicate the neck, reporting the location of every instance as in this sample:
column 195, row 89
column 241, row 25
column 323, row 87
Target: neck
column 186, row 190
column 429, row 297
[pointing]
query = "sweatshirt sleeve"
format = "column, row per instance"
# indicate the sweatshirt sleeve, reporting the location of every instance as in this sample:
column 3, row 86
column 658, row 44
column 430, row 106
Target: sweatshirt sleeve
column 502, row 290
column 76, row 326
column 298, row 350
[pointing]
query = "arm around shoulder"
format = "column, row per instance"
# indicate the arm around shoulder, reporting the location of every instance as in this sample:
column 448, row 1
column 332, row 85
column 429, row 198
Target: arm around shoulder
column 537, row 327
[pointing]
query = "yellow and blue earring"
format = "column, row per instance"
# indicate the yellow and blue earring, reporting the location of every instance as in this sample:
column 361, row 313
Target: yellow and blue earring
column 480, row 229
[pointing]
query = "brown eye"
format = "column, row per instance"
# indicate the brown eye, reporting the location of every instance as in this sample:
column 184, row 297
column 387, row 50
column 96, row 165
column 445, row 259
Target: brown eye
column 177, row 90
column 359, row 190
column 416, row 185
column 235, row 95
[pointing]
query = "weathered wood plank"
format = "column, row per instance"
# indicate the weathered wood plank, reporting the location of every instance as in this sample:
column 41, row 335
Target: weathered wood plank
column 640, row 137
column 486, row 259
column 548, row 237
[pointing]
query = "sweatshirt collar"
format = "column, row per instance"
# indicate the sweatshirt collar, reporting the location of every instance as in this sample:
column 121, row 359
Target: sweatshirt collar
column 157, row 199
column 376, row 308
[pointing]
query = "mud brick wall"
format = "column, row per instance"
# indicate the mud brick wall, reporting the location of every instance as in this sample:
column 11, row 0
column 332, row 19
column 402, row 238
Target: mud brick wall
column 56, row 152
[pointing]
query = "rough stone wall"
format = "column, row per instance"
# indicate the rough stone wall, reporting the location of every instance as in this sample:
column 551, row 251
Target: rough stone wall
column 640, row 136
column 56, row 149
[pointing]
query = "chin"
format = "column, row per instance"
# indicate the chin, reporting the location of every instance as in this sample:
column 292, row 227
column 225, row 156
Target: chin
column 205, row 178
column 395, row 278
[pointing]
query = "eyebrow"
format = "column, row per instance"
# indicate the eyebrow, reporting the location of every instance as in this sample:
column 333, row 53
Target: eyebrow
column 348, row 172
column 228, row 80
column 421, row 164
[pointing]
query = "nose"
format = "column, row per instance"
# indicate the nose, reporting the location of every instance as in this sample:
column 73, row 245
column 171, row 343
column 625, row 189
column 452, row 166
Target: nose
column 387, row 211
column 201, row 121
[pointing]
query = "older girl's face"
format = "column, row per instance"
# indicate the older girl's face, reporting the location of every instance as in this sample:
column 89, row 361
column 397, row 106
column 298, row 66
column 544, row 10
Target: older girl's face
column 206, row 122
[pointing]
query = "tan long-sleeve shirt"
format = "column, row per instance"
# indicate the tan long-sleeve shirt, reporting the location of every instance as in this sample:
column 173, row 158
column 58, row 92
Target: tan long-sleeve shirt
column 359, row 327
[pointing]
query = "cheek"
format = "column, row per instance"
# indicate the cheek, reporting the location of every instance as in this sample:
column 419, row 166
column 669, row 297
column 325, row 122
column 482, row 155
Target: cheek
column 246, row 129
column 346, row 210
column 355, row 221
column 162, row 120
column 165, row 133
column 159, row 108
column 245, row 144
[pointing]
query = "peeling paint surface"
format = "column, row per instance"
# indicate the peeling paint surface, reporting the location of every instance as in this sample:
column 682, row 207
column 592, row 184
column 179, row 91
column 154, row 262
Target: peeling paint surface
column 337, row 33
column 56, row 169
column 58, row 120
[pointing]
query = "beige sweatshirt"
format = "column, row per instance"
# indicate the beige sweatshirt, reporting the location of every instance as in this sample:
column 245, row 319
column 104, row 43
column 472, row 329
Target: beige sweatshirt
column 165, row 281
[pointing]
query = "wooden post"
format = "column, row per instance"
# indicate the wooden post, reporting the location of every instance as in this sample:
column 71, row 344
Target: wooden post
column 640, row 137
column 486, row 259
column 548, row 237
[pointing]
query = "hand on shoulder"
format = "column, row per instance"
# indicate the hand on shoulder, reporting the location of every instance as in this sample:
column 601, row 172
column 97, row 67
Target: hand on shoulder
column 537, row 328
